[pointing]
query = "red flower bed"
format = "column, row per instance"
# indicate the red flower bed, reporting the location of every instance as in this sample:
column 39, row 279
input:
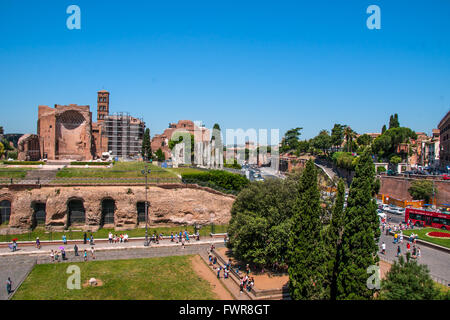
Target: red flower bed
column 438, row 234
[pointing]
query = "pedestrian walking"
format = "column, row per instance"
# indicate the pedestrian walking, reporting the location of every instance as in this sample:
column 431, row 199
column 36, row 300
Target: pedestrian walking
column 241, row 286
column 383, row 248
column 63, row 254
column 110, row 237
column 85, row 238
column 85, row 255
column 182, row 243
column 218, row 272
column 171, row 237
column 398, row 251
column 408, row 246
column 52, row 256
column 75, row 248
column 93, row 252
column 64, row 239
column 9, row 286
column 418, row 252
column 38, row 243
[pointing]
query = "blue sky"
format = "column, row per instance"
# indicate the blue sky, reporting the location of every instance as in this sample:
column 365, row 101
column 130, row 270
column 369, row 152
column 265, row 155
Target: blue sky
column 243, row 64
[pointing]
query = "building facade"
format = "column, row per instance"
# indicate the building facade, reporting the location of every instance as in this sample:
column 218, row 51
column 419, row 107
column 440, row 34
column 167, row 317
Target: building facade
column 444, row 133
column 124, row 134
column 67, row 132
column 161, row 141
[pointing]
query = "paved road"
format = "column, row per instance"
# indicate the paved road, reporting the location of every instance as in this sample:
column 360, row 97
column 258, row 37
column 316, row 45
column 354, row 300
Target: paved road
column 438, row 262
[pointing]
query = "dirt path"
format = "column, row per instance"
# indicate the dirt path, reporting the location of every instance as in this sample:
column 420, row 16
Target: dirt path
column 204, row 272
column 264, row 281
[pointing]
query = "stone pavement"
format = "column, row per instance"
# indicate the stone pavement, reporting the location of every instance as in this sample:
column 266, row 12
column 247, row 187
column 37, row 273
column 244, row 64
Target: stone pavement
column 18, row 264
column 15, row 267
column 438, row 262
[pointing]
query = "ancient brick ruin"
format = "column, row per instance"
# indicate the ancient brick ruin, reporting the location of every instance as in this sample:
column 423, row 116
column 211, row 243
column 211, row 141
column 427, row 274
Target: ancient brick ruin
column 91, row 208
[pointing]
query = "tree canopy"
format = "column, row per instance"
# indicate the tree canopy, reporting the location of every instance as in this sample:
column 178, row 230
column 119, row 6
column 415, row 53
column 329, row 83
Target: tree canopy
column 408, row 280
column 290, row 140
column 261, row 221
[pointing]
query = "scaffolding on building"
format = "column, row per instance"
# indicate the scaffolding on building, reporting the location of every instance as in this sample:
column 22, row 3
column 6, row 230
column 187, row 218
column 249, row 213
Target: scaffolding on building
column 125, row 135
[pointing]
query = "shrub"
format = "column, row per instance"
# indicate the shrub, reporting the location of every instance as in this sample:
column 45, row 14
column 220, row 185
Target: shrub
column 11, row 155
column 217, row 179
column 83, row 163
column 381, row 169
column 23, row 163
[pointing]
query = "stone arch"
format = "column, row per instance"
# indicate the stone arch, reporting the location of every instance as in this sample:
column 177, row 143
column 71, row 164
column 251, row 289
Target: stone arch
column 39, row 214
column 76, row 213
column 108, row 209
column 5, row 211
column 140, row 207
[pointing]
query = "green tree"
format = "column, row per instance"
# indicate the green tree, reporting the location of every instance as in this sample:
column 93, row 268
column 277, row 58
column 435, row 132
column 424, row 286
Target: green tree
column 146, row 145
column 408, row 280
column 307, row 267
column 421, row 190
column 160, row 156
column 2, row 150
column 393, row 121
column 333, row 240
column 364, row 140
column 349, row 135
column 395, row 160
column 322, row 141
column 260, row 221
column 303, row 146
column 383, row 130
column 359, row 247
column 290, row 140
column 337, row 135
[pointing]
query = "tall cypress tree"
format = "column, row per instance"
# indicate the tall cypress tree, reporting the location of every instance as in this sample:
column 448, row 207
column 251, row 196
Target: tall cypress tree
column 359, row 247
column 306, row 254
column 146, row 145
column 383, row 129
column 333, row 240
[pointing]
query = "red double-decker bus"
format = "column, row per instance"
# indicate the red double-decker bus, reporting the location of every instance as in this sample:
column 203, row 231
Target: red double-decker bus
column 434, row 219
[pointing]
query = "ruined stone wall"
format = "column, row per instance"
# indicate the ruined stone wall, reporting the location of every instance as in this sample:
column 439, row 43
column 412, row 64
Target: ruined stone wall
column 168, row 206
column 398, row 188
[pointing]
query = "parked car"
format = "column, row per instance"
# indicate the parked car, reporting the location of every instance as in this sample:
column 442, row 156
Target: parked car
column 446, row 176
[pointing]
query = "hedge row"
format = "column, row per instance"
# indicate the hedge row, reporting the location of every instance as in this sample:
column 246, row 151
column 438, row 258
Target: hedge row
column 81, row 163
column 27, row 163
column 223, row 180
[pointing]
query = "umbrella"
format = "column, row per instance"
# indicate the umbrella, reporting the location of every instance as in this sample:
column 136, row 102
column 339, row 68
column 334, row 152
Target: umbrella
column 15, row 239
column 62, row 248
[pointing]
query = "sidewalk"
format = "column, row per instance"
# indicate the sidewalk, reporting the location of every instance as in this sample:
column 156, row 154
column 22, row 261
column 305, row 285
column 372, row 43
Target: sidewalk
column 101, row 245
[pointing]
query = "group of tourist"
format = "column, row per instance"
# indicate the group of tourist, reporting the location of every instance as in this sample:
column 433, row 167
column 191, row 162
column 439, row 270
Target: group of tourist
column 123, row 237
column 56, row 254
column 245, row 281
column 182, row 237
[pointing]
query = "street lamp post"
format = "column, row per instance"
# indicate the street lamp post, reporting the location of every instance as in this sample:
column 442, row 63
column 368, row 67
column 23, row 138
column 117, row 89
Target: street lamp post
column 146, row 172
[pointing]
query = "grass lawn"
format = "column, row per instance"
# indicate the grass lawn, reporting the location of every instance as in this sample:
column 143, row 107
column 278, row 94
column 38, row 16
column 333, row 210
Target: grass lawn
column 165, row 278
column 103, row 233
column 422, row 235
column 180, row 171
column 16, row 173
column 119, row 170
